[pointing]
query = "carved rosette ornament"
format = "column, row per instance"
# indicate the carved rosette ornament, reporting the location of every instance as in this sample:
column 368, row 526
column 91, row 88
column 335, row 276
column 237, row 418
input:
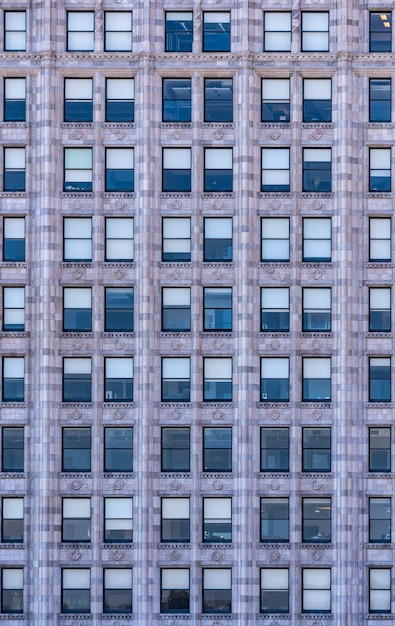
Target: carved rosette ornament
column 316, row 134
column 77, row 273
column 275, row 344
column 118, row 274
column 218, row 135
column 118, row 415
column 317, row 555
column 176, row 274
column 118, row 204
column 275, row 134
column 218, row 274
column 316, row 415
column 218, row 344
column 75, row 485
column 317, row 485
column 175, row 555
column 274, row 485
column 76, row 555
column 176, row 415
column 176, row 484
column 274, row 415
column 119, row 344
column 119, row 135
column 317, row 275
column 78, row 204
column 177, row 135
column 176, row 344
column 76, row 415
column 118, row 485
column 275, row 205
column 117, row 555
column 217, row 555
column 317, row 344
column 77, row 134
column 217, row 204
column 218, row 414
column 77, row 344
column 275, row 555
column 218, row 485
column 176, row 204
column 317, row 205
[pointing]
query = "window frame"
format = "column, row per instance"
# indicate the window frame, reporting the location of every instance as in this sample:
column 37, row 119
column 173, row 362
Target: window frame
column 276, row 520
column 77, row 318
column 217, row 461
column 217, row 529
column 275, row 109
column 12, row 461
column 183, row 255
column 217, row 379
column 276, row 172
column 278, row 391
column 210, row 35
column 16, row 593
column 182, row 42
column 14, row 171
column 127, row 242
column 317, row 175
column 221, row 601
column 12, row 521
column 280, row 224
column 16, row 102
column 124, row 16
column 81, row 87
column 218, row 106
column 177, row 179
column 122, row 535
column 318, row 512
column 286, row 33
column 182, row 106
column 85, row 591
column 175, row 520
column 85, row 378
column 305, row 46
column 84, row 175
column 89, row 47
column 13, row 309
column 120, row 386
column 380, row 590
column 282, row 464
column 384, row 392
column 69, row 433
column 317, row 109
column 8, row 32
column 82, row 513
column 274, row 593
column 309, row 221
column 382, row 182
column 385, row 467
column 169, row 465
column 176, row 309
column 121, row 309
column 372, row 239
column 182, row 598
column 377, row 112
column 218, row 252
column 118, row 461
column 13, row 386
column 309, row 452
column 182, row 386
column 14, row 224
column 120, row 110
column 385, row 44
column 312, row 587
column 117, row 599
column 211, row 313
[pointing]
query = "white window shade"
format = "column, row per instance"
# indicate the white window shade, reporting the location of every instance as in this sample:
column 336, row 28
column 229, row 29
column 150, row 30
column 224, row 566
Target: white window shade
column 380, row 228
column 14, row 228
column 177, row 158
column 385, row 362
column 119, row 368
column 174, row 296
column 12, row 508
column 175, row 508
column 217, row 579
column 119, row 20
column 120, row 88
column 380, row 298
column 316, row 368
column 275, row 88
column 317, row 155
column 78, row 227
column 14, row 297
column 312, row 21
column 119, row 508
column 12, row 579
column 380, row 578
column 81, row 20
column 77, row 298
column 275, row 228
column 277, row 41
column 273, row 158
column 218, row 368
column 15, row 88
column 118, row 578
column 179, row 16
column 380, row 158
column 76, row 578
column 15, row 20
column 78, row 88
column 78, row 158
column 278, row 21
column 217, row 508
column 175, row 368
column 274, row 578
column 218, row 158
column 215, row 228
column 177, row 228
column 120, row 158
column 380, row 600
column 14, row 158
column 216, row 17
column 317, row 228
column 317, row 89
column 274, row 368
column 13, row 367
column 119, row 228
column 77, row 366
column 79, row 508
column 175, row 578
column 316, row 298
column 274, row 298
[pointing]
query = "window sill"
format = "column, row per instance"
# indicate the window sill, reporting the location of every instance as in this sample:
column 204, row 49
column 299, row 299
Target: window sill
column 118, row 124
column 175, row 125
column 218, row 194
column 71, row 125
column 117, row 475
column 316, row 194
column 217, row 475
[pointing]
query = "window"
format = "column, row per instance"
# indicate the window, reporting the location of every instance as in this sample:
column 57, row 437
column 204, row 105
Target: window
column 118, row 379
column 217, row 591
column 120, row 169
column 218, row 169
column 176, row 100
column 76, row 593
column 76, row 520
column 317, row 100
column 380, row 169
column 14, row 99
column 316, row 380
column 316, row 590
column 316, row 450
column 118, row 520
column 316, row 527
column 175, row 450
column 217, row 308
column 118, row 449
column 317, row 169
column 77, row 309
column 218, row 239
column 77, row 239
column 379, row 449
column 217, row 380
column 78, row 103
column 176, row 379
column 274, row 520
column 217, row 520
column 216, row 31
column 176, row 232
column 316, row 309
column 12, row 590
column 380, row 100
column 13, row 379
column 77, row 169
column 14, row 239
column 13, row 450
column 117, row 596
column 76, row 450
column 274, row 590
column 380, row 34
column 275, row 100
column 77, row 380
column 275, row 309
column 274, row 450
column 380, row 520
column 317, row 239
column 14, row 31
column 176, row 175
column 118, row 31
column 119, row 309
column 80, row 31
column 217, row 449
column 12, row 520
column 176, row 309
column 380, row 590
column 120, row 100
column 275, row 169
column 277, row 34
column 174, row 591
column 175, row 527
column 14, row 169
column 380, row 309
column 179, row 31
column 380, row 380
column 275, row 239
column 13, row 309
column 274, row 379
column 218, row 100
column 380, row 239
column 119, row 239
column 315, row 31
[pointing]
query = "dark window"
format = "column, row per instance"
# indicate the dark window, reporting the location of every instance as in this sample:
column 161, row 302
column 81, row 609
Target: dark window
column 118, row 449
column 316, row 309
column 176, row 309
column 13, row 379
column 317, row 100
column 380, row 520
column 117, row 592
column 217, row 386
column 274, row 520
column 174, row 596
column 274, row 380
column 316, row 450
column 317, row 169
column 274, row 590
column 380, row 35
column 120, row 169
column 12, row 520
column 120, row 100
column 14, row 239
column 380, row 310
column 216, row 31
column 77, row 380
column 380, row 169
column 175, row 450
column 217, row 591
column 218, row 239
column 118, row 520
column 275, row 100
column 12, row 590
column 217, row 308
column 118, row 379
column 218, row 100
column 77, row 309
column 275, row 309
column 175, row 527
column 379, row 449
column 217, row 520
column 176, row 173
column 218, row 169
column 176, row 100
column 76, row 450
column 119, row 309
column 317, row 239
column 380, row 380
column 76, row 593
column 274, row 450
column 179, row 31
column 176, row 382
column 217, row 449
column 176, row 239
column 14, row 99
column 13, row 450
column 316, row 526
column 78, row 104
column 380, row 100
column 76, row 520
column 14, row 169
column 316, row 380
